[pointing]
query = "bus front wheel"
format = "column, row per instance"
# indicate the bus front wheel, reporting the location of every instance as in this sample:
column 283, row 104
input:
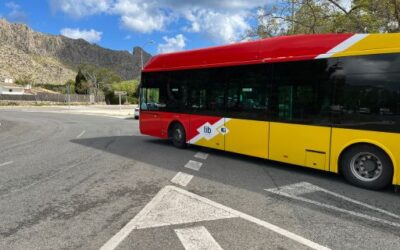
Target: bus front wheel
column 178, row 135
column 367, row 166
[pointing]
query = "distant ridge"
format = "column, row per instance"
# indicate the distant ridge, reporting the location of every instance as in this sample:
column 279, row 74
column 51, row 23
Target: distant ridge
column 54, row 59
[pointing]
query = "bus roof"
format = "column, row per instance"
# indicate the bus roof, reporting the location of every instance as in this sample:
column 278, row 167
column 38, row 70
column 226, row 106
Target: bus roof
column 277, row 49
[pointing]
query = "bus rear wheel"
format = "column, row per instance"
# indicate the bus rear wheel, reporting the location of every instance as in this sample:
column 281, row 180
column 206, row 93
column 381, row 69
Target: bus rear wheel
column 178, row 135
column 367, row 166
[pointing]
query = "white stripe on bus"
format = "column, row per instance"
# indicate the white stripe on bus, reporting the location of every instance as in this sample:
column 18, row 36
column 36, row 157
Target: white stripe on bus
column 343, row 45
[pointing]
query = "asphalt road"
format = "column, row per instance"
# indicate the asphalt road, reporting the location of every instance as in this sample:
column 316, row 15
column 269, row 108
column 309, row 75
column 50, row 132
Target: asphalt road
column 86, row 182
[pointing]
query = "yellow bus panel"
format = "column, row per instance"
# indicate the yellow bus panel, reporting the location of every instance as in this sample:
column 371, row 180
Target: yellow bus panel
column 247, row 137
column 373, row 44
column 300, row 144
column 217, row 142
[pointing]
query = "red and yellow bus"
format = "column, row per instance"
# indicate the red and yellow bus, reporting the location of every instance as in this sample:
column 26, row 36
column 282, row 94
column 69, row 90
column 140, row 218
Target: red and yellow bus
column 329, row 102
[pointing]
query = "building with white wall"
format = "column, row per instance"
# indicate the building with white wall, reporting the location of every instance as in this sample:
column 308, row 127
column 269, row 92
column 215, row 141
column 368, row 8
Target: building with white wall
column 7, row 87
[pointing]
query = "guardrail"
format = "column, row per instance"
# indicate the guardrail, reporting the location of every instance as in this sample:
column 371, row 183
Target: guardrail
column 54, row 98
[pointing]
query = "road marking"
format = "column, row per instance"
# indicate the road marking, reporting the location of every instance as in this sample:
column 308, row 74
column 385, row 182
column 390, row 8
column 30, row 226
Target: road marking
column 175, row 206
column 197, row 238
column 80, row 135
column 293, row 191
column 182, row 179
column 6, row 163
column 201, row 155
column 194, row 165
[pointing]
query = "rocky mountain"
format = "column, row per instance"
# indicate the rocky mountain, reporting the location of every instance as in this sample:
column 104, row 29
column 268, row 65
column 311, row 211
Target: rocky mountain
column 54, row 59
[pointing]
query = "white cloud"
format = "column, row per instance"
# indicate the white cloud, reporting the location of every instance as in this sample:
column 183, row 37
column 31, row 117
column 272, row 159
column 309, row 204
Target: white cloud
column 12, row 5
column 220, row 27
column 140, row 16
column 80, row 8
column 16, row 14
column 172, row 44
column 92, row 36
column 223, row 21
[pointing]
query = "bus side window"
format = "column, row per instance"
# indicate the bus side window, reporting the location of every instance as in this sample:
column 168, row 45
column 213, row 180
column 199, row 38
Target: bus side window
column 285, row 103
column 198, row 99
column 153, row 98
column 143, row 105
column 247, row 92
column 367, row 92
column 173, row 91
column 303, row 92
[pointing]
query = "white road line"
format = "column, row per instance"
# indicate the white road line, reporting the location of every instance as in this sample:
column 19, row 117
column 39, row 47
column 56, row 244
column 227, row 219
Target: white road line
column 112, row 243
column 170, row 199
column 6, row 163
column 305, row 187
column 182, row 179
column 201, row 155
column 197, row 238
column 360, row 203
column 291, row 191
column 194, row 165
column 80, row 135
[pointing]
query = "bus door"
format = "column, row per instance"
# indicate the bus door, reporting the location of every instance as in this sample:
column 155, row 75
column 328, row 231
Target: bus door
column 149, row 115
column 291, row 139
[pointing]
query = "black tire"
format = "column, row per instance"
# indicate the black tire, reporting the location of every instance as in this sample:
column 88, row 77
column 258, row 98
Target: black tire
column 367, row 166
column 178, row 135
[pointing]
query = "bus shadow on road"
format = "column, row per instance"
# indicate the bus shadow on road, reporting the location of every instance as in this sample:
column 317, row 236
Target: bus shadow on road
column 251, row 174
column 241, row 171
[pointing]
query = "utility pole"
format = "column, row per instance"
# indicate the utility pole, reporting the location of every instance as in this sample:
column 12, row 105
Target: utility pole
column 68, row 96
column 141, row 60
column 141, row 52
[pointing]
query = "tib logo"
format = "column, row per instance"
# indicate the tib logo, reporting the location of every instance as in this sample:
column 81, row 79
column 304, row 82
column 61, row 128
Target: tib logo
column 207, row 130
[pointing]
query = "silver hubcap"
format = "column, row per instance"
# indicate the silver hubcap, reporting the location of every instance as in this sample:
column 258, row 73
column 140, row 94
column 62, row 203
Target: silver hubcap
column 178, row 135
column 366, row 166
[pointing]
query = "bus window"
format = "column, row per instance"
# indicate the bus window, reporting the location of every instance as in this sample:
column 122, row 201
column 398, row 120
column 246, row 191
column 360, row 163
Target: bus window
column 367, row 89
column 303, row 92
column 150, row 92
column 152, row 98
column 285, row 105
column 206, row 91
column 247, row 92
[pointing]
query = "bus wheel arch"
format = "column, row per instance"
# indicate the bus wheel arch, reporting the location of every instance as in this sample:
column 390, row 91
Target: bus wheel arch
column 366, row 165
column 177, row 134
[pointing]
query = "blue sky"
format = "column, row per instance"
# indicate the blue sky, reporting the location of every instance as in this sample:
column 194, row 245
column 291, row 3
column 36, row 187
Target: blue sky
column 157, row 25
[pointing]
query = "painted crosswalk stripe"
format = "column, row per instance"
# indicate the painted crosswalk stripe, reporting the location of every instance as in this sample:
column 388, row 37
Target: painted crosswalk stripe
column 197, row 238
column 6, row 163
column 294, row 191
column 176, row 206
column 182, row 179
column 194, row 165
column 201, row 155
column 81, row 134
